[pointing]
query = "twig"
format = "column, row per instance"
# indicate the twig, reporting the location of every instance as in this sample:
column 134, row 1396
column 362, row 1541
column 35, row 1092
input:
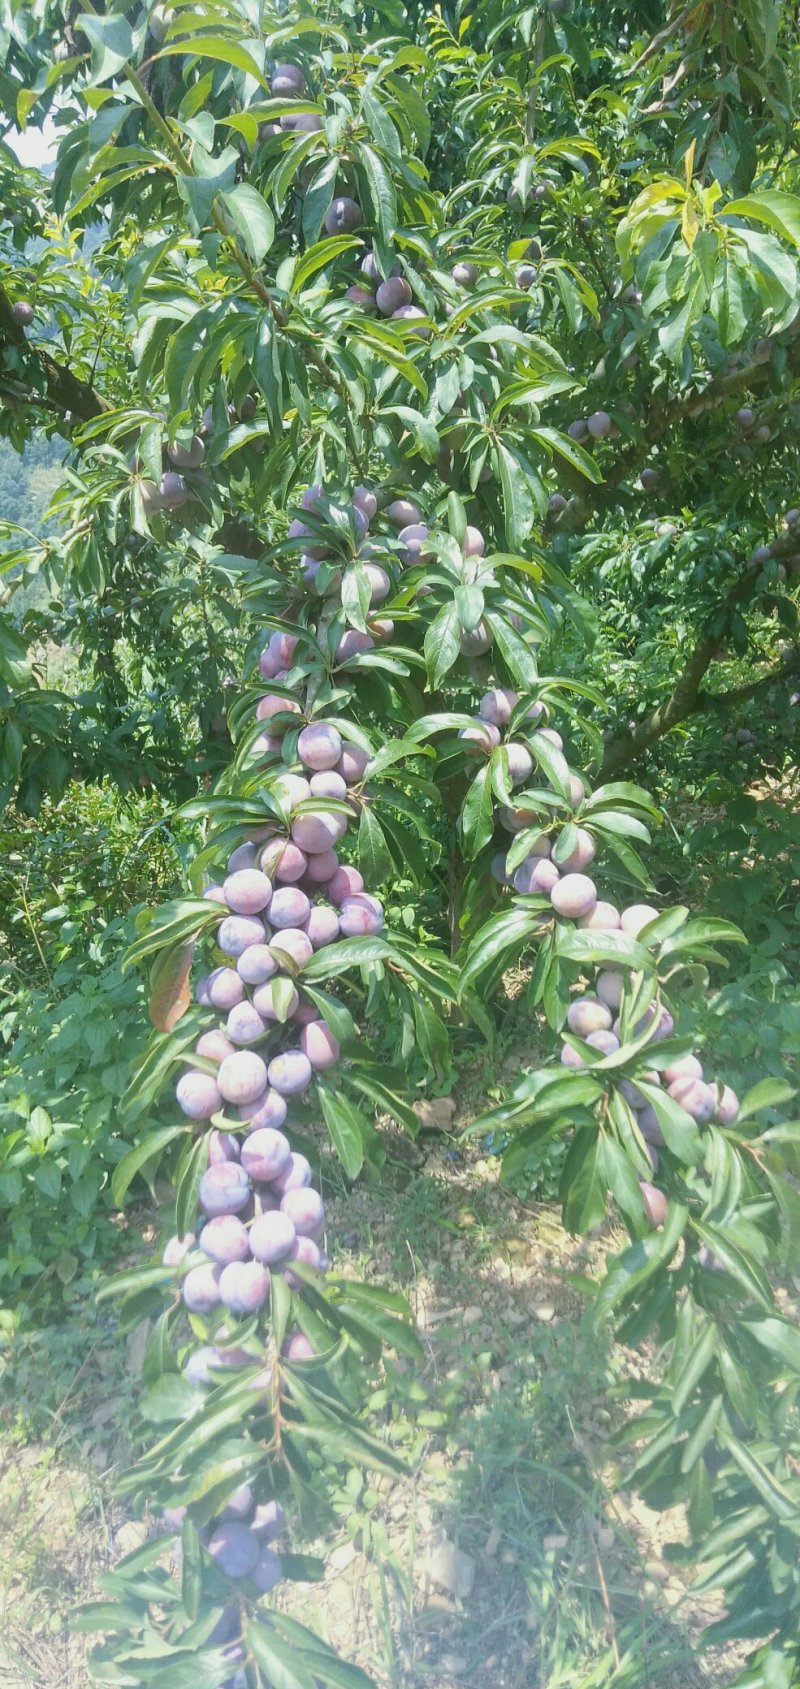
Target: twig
column 664, row 35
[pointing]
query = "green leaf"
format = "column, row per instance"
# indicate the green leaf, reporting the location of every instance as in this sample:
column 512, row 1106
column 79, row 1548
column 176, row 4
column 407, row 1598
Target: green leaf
column 780, row 211
column 582, row 944
column 767, row 1093
column 218, row 47
column 442, row 644
column 583, row 1188
column 344, row 1122
column 374, row 859
column 140, row 1156
column 252, row 219
column 681, row 1134
column 477, row 815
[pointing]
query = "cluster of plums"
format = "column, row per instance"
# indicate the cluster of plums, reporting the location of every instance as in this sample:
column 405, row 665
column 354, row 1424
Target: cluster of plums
column 485, row 734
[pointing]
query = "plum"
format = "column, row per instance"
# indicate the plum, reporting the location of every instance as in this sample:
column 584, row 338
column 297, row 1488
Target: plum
column 578, row 429
column 634, row 919
column 225, row 1239
column 266, row 1154
column 353, row 763
column 319, row 746
column 361, row 296
column 413, row 539
column 244, row 1024
column 214, row 1046
column 649, row 480
column 270, row 1111
column 294, row 943
column 360, row 914
column 403, row 513
column 290, row 1073
column 574, row 896
column 474, row 642
column 305, row 1210
column 307, row 1251
column 581, row 855
column 268, row 1000
column 22, row 312
column 322, row 926
column 322, row 867
column 655, row 1203
column 298, row 1348
column 599, row 425
column 413, row 314
column 603, row 1040
column 242, row 1077
column 319, row 1044
column 291, row 790
column 392, row 294
column 745, row 418
column 287, row 82
column 267, row 1571
column 365, row 500
column 215, row 894
column 316, row 831
column 695, row 1096
column 268, row 1520
column 726, row 1105
column 237, row 932
column 684, row 1067
column 379, row 583
column 200, row 1290
column 172, row 490
column 520, row 763
column 224, row 1189
column 198, row 1095
column 474, row 544
column 296, row 1176
column 289, row 907
column 235, row 1549
column 605, row 917
column 187, row 457
column 497, row 705
column 256, row 964
column 588, row 1014
column 343, row 216
column 238, row 1505
column 576, row 791
column 244, row 1286
column 525, row 276
column 176, row 1249
column 609, row 987
column 197, row 1369
column 225, row 988
column 464, row 273
column 328, row 784
column 352, row 644
column 222, row 1146
column 272, row 1237
column 480, row 739
column 244, row 856
column 346, row 882
column 271, row 705
column 536, row 874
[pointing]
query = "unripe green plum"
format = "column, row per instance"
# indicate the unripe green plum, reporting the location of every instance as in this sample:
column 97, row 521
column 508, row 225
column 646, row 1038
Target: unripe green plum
column 695, row 1096
column 242, row 1078
column 609, row 987
column 328, row 784
column 224, row 1189
column 634, row 919
column 244, row 1024
column 497, row 705
column 235, row 934
column 248, row 891
column 298, row 1348
column 353, row 763
column 290, row 1073
column 346, row 882
column 412, row 314
column 225, row 1239
column 392, row 294
column 583, row 854
column 599, row 425
column 305, row 1210
column 319, row 746
column 316, row 831
column 352, row 644
column 225, row 988
column 200, row 1290
column 322, row 926
column 289, row 907
column 588, row 1014
column 318, row 1043
column 267, row 1572
column 294, row 943
column 343, row 217
column 537, row 874
column 176, row 1249
column 480, row 739
column 244, row 1287
column 574, row 896
column 655, row 1203
column 235, row 1549
column 360, row 915
column 605, row 917
column 272, row 1237
column 726, row 1105
column 404, row 514
column 296, row 1177
column 198, row 1095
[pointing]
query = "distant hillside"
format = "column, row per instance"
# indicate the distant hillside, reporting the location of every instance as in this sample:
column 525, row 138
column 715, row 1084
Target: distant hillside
column 27, row 483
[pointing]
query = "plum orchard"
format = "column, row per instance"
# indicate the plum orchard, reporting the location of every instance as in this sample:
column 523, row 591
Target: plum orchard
column 353, row 412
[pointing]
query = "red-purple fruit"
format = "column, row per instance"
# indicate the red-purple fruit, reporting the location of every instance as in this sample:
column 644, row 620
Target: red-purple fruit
column 360, row 915
column 244, row 1024
column 352, row 644
column 225, row 1239
column 316, row 831
column 214, row 1046
column 353, row 763
column 287, row 82
column 464, row 273
column 726, row 1105
column 268, row 1520
column 256, row 964
column 244, row 1287
column 222, row 1146
column 224, row 1189
column 298, row 1348
column 474, row 642
column 322, row 926
column 537, row 874
column 294, row 944
column 242, row 1077
column 272, row 1237
column 588, row 1014
column 271, row 1004
column 605, row 917
column 684, row 1067
column 290, row 1073
column 296, row 1176
column 23, row 313
column 267, row 1571
column 225, row 988
column 176, row 1249
column 392, row 294
column 305, row 1210
column 413, row 314
column 200, row 1290
column 198, row 1367
column 172, row 490
column 244, row 856
column 319, row 1044
column 697, row 1098
column 328, row 784
column 638, row 916
column 496, row 706
column 343, row 217
column 319, row 746
column 599, row 425
column 238, row 1505
column 655, row 1203
column 266, row 1154
column 520, row 763
column 198, row 1095
column 187, row 457
column 581, row 855
column 574, row 896
column 403, row 513
column 237, row 932
column 609, row 987
column 480, row 739
column 235, row 1548
column 289, row 907
column 271, row 1111
column 322, row 867
column 346, row 882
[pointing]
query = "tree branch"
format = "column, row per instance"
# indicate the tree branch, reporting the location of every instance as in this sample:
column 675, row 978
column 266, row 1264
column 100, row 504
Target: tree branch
column 61, row 390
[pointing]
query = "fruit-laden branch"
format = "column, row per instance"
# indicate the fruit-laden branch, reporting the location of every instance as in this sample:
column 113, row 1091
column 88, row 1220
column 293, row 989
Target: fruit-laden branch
column 687, row 696
column 59, row 390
